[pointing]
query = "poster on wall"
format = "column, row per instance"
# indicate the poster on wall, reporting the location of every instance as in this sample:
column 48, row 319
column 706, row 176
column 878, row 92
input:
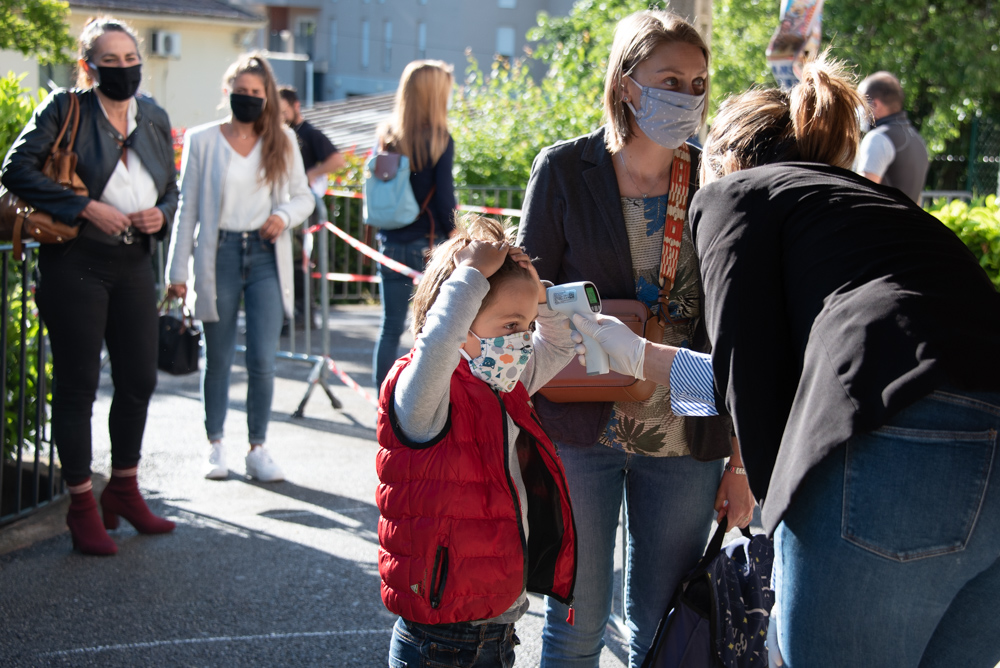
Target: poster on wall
column 795, row 41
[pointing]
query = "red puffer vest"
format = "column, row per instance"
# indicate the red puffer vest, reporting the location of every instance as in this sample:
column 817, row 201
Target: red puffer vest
column 451, row 539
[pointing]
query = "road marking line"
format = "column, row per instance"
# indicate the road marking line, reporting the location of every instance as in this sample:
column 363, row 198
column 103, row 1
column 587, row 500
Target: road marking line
column 195, row 641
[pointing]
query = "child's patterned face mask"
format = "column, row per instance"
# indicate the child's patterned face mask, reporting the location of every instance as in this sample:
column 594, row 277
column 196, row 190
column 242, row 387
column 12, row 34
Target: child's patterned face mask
column 502, row 359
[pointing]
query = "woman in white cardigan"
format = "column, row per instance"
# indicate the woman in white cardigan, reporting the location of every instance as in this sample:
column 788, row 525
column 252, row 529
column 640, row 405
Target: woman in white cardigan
column 243, row 188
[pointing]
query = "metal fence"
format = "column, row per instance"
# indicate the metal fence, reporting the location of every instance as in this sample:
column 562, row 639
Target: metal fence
column 972, row 162
column 30, row 477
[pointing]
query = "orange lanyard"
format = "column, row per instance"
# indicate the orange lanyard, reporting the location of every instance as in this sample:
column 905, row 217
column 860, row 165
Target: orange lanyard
column 673, row 228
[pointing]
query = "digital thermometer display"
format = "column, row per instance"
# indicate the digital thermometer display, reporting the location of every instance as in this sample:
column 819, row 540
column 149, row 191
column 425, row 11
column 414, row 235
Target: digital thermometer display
column 592, row 295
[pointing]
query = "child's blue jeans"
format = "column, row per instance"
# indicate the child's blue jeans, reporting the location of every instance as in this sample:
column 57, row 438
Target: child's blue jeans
column 481, row 646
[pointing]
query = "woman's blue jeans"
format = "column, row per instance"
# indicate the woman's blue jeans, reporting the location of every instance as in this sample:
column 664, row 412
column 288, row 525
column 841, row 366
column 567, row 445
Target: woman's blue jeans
column 462, row 645
column 244, row 267
column 396, row 291
column 668, row 514
column 890, row 552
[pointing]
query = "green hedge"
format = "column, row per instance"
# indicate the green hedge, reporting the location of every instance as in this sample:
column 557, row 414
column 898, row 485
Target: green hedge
column 978, row 225
column 16, row 105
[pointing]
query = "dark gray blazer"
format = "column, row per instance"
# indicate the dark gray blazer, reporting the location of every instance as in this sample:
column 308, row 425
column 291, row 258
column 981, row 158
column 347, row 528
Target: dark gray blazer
column 573, row 224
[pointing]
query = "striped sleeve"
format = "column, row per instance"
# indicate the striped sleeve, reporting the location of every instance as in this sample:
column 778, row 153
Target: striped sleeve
column 692, row 388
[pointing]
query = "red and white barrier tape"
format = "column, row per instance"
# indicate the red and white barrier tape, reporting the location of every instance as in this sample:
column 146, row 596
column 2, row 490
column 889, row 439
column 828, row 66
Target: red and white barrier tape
column 347, row 278
column 491, row 210
column 374, row 254
column 349, row 382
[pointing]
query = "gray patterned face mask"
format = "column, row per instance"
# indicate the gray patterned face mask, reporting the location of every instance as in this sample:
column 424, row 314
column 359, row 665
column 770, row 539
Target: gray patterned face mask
column 666, row 117
column 502, row 360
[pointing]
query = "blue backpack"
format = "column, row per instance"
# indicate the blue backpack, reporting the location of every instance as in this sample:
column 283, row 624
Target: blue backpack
column 388, row 198
column 719, row 614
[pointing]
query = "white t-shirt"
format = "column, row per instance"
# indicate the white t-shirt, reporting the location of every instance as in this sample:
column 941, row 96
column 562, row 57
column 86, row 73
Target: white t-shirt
column 131, row 187
column 246, row 198
column 875, row 154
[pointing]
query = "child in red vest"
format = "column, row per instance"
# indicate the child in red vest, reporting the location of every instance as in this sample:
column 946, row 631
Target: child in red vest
column 474, row 504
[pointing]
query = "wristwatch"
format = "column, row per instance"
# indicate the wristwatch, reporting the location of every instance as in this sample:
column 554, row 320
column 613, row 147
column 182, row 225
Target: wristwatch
column 738, row 470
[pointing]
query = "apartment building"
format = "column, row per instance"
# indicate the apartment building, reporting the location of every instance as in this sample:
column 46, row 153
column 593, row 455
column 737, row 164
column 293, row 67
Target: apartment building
column 360, row 47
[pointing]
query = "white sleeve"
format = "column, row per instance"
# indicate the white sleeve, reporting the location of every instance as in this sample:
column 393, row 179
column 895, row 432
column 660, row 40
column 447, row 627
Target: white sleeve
column 875, row 154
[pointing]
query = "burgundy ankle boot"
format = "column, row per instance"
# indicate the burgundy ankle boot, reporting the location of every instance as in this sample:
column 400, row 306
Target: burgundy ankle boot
column 122, row 497
column 85, row 526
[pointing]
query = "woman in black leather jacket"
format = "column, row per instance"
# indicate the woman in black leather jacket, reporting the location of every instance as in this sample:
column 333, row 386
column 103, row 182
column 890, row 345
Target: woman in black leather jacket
column 100, row 287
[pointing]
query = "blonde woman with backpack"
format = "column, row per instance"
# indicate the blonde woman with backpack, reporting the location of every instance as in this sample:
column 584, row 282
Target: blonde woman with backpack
column 418, row 129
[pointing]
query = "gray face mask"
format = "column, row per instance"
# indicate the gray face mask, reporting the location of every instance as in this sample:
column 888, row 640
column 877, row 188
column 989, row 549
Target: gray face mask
column 666, row 117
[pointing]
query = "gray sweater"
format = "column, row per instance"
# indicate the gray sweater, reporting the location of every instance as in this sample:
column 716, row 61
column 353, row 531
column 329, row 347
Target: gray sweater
column 423, row 390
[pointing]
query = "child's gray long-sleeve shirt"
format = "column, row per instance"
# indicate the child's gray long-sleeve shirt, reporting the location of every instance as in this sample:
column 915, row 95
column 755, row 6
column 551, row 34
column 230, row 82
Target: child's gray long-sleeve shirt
column 423, row 390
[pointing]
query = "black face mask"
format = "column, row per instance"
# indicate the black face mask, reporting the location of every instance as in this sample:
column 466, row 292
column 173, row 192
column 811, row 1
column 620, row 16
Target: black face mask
column 119, row 83
column 246, row 108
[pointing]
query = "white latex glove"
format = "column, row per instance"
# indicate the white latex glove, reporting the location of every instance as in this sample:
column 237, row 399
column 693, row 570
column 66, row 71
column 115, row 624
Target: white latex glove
column 626, row 350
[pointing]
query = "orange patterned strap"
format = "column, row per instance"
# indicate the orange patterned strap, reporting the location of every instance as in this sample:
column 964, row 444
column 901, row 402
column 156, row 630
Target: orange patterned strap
column 673, row 230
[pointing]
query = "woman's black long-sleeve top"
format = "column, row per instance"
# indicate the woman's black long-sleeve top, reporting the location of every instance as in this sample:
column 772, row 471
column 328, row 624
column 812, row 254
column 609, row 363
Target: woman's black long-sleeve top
column 98, row 148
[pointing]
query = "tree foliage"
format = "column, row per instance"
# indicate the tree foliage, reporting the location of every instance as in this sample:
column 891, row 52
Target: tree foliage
column 945, row 53
column 505, row 115
column 36, row 28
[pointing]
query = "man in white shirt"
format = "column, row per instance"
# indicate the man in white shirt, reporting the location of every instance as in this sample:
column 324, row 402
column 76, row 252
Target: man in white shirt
column 892, row 153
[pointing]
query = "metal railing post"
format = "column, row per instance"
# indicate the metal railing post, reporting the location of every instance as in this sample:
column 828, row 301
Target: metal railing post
column 324, row 287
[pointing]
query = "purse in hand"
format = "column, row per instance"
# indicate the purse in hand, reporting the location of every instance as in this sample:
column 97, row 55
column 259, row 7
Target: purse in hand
column 19, row 220
column 572, row 384
column 180, row 342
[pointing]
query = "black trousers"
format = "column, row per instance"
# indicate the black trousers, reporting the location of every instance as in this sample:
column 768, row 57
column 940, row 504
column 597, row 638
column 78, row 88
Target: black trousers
column 89, row 292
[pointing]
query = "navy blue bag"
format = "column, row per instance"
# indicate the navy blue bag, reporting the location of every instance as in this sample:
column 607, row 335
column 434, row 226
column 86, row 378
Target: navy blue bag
column 718, row 615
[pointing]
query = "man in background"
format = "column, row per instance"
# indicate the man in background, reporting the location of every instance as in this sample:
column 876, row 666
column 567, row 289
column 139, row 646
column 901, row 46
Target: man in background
column 892, row 152
column 320, row 157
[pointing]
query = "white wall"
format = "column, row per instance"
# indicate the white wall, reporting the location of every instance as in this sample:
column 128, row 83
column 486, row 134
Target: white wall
column 13, row 61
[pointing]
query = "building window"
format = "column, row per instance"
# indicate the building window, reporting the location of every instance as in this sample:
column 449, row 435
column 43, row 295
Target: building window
column 505, row 41
column 421, row 40
column 387, row 39
column 305, row 36
column 365, row 42
column 507, row 4
column 333, row 42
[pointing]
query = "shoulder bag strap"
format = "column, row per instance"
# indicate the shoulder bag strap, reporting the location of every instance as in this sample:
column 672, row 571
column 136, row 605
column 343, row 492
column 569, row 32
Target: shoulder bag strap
column 72, row 114
column 673, row 228
column 423, row 208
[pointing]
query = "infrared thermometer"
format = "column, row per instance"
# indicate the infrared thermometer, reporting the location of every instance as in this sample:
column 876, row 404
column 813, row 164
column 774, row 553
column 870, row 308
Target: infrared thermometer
column 581, row 297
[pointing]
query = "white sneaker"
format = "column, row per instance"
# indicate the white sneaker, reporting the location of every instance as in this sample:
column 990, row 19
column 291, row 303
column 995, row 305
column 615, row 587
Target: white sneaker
column 217, row 468
column 261, row 467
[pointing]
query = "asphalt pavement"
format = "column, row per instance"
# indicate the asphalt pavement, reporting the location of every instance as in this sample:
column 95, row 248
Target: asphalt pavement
column 281, row 574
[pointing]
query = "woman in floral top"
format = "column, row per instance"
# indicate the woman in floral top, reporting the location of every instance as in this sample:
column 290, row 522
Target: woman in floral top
column 596, row 209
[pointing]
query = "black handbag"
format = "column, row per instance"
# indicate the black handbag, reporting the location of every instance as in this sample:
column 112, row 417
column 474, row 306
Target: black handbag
column 180, row 342
column 719, row 614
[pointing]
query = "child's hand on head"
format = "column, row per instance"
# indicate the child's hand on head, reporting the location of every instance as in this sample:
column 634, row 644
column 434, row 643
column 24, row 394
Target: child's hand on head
column 484, row 256
column 518, row 255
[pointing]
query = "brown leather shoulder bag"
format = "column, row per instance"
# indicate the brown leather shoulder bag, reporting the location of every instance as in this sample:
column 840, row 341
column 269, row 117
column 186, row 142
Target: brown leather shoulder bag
column 20, row 220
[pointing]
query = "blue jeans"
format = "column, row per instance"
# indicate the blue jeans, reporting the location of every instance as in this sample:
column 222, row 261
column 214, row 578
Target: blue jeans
column 890, row 552
column 484, row 646
column 396, row 290
column 668, row 511
column 244, row 266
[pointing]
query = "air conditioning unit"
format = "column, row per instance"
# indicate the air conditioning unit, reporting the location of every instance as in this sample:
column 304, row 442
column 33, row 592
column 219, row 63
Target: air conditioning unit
column 165, row 44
